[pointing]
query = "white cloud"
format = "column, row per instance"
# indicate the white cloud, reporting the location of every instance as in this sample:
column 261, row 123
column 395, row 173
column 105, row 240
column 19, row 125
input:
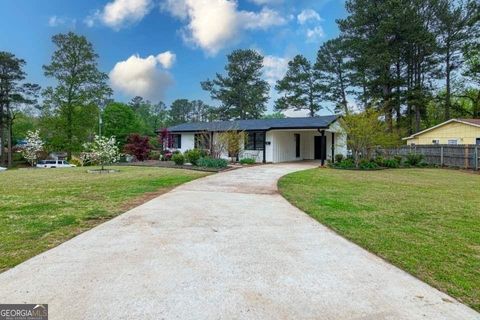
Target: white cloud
column 307, row 15
column 261, row 20
column 144, row 77
column 177, row 8
column 56, row 21
column 166, row 59
column 274, row 68
column 266, row 2
column 213, row 24
column 315, row 34
column 89, row 21
column 120, row 13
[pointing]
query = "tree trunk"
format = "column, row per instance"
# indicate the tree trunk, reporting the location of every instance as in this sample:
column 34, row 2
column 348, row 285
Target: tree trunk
column 69, row 132
column 447, row 94
column 398, row 101
column 9, row 142
column 342, row 88
column 2, row 135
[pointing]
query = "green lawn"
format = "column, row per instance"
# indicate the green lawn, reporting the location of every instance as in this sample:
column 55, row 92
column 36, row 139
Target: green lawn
column 42, row 208
column 425, row 221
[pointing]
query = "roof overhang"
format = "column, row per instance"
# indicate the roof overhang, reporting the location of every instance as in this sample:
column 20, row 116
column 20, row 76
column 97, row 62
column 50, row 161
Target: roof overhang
column 263, row 125
column 440, row 125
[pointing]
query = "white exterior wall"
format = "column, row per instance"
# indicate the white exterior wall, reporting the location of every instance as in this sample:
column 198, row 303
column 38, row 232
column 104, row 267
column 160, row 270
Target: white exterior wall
column 340, row 139
column 283, row 146
column 280, row 144
column 188, row 141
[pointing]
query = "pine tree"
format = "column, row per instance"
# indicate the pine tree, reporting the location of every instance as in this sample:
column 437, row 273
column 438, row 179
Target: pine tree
column 242, row 91
column 300, row 87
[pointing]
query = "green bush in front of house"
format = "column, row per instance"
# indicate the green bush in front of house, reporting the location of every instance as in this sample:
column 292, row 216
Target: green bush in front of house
column 192, row 156
column 247, row 161
column 178, row 158
column 209, row 162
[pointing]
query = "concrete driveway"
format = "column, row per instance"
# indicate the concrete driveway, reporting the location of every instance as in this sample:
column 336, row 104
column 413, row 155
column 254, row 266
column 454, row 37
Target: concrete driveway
column 227, row 246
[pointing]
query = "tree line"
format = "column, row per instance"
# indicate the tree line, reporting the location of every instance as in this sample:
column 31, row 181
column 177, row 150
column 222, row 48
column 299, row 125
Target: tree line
column 415, row 62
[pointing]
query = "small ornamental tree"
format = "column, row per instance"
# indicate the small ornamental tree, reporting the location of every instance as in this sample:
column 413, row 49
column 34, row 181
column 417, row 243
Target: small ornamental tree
column 365, row 131
column 103, row 150
column 165, row 139
column 233, row 141
column 138, row 146
column 33, row 147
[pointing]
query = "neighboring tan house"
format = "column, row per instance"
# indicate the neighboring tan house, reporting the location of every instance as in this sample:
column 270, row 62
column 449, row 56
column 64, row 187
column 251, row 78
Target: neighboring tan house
column 453, row 131
column 270, row 140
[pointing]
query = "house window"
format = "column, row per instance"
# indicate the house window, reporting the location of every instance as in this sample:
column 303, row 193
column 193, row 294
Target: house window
column 452, row 141
column 477, row 142
column 254, row 140
column 202, row 140
column 176, row 141
column 435, row 141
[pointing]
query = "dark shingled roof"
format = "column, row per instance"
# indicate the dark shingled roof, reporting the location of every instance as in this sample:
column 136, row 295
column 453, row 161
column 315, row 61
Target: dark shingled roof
column 321, row 122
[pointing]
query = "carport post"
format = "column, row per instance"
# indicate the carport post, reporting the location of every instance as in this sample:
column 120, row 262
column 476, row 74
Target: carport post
column 333, row 147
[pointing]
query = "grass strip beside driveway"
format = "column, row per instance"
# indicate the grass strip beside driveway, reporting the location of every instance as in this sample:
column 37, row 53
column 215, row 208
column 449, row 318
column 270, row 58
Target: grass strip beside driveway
column 41, row 208
column 425, row 221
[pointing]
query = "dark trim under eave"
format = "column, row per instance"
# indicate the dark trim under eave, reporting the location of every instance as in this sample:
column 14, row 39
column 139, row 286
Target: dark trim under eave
column 279, row 128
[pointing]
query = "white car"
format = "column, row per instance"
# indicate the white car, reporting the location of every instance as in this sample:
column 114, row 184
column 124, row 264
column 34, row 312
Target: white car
column 2, row 169
column 54, row 164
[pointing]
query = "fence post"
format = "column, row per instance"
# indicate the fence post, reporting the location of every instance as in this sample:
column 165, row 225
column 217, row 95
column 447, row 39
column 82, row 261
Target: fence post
column 466, row 156
column 476, row 157
column 441, row 156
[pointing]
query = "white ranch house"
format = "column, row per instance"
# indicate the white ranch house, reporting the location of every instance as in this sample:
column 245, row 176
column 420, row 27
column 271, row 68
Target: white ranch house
column 270, row 140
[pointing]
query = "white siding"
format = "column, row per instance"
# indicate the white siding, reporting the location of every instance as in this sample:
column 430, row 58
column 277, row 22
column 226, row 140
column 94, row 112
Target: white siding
column 188, row 141
column 283, row 146
column 280, row 144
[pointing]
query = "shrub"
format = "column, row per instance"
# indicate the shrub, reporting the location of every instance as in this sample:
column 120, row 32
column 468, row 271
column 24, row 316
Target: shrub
column 367, row 165
column 391, row 163
column 154, row 155
column 346, row 164
column 247, row 161
column 379, row 161
column 178, row 158
column 209, row 162
column 398, row 158
column 414, row 159
column 76, row 161
column 339, row 157
column 193, row 156
column 138, row 146
column 166, row 155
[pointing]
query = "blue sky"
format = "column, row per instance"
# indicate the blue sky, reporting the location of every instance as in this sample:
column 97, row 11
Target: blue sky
column 162, row 49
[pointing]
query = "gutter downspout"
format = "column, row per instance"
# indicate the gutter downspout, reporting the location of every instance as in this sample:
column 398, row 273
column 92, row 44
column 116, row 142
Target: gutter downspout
column 264, row 146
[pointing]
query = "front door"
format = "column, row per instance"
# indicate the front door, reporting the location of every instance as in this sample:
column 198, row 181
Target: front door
column 321, row 148
column 297, row 145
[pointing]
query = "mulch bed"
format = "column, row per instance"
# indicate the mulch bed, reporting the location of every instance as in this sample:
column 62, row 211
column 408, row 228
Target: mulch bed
column 171, row 164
